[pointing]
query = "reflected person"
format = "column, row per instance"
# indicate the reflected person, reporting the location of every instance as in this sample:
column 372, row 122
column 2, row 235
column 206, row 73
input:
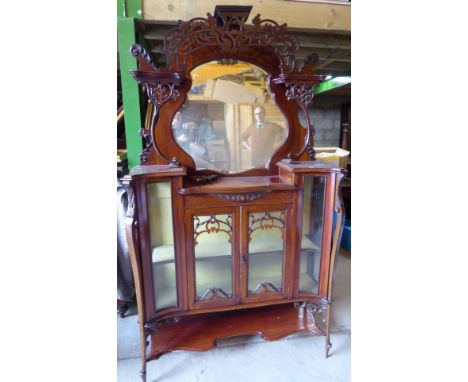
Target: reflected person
column 263, row 136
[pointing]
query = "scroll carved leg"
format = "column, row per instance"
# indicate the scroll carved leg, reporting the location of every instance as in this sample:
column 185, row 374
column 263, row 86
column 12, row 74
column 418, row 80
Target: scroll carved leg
column 314, row 308
column 322, row 308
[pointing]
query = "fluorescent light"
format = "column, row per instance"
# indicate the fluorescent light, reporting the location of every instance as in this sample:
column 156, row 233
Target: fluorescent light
column 342, row 80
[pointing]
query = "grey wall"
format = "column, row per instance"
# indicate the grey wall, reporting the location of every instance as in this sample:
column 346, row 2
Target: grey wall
column 325, row 115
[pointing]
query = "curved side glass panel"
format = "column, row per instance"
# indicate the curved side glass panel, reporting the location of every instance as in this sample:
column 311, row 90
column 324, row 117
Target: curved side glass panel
column 162, row 244
column 312, row 229
column 229, row 122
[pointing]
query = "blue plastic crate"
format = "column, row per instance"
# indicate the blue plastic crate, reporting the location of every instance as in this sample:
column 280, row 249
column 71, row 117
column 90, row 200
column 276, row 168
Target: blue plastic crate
column 346, row 238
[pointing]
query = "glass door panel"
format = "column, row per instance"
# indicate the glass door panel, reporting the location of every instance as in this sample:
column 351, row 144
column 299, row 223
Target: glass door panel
column 213, row 257
column 162, row 244
column 266, row 243
column 312, row 230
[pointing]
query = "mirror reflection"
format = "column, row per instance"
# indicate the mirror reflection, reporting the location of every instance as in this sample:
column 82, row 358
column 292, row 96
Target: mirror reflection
column 229, row 122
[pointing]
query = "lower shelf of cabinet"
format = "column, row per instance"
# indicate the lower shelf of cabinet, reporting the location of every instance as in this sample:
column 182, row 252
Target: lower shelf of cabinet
column 200, row 332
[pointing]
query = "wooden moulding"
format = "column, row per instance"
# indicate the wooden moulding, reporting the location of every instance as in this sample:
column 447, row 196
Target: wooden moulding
column 158, row 171
column 200, row 332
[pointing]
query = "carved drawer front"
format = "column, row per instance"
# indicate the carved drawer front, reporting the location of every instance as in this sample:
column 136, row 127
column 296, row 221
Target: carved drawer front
column 239, row 199
column 211, row 259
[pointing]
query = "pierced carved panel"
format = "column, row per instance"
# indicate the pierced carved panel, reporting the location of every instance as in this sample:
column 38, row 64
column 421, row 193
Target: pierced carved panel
column 213, row 294
column 212, row 225
column 265, row 287
column 267, row 221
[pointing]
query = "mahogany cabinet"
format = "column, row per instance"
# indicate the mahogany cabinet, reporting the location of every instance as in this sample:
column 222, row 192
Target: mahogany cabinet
column 232, row 224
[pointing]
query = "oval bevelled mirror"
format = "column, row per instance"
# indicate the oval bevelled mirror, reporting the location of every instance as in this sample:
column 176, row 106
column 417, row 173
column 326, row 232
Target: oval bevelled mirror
column 229, row 122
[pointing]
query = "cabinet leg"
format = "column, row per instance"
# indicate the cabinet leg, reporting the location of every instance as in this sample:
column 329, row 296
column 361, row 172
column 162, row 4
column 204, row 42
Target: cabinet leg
column 144, row 344
column 143, row 373
column 328, row 344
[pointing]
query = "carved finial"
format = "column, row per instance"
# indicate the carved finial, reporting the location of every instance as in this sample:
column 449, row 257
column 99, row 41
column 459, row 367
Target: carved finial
column 256, row 20
column 136, row 49
column 144, row 59
column 309, row 62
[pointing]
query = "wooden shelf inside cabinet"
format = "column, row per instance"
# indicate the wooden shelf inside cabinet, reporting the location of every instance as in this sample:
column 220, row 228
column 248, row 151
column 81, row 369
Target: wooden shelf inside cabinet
column 200, row 332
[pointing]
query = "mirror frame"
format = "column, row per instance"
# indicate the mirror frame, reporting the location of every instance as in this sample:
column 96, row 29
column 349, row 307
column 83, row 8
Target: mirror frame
column 265, row 44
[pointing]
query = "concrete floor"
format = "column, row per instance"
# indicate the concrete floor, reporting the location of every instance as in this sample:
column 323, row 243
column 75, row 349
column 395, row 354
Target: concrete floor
column 296, row 358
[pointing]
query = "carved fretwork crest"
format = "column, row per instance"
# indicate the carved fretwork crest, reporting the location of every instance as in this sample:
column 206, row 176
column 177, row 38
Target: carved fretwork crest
column 232, row 37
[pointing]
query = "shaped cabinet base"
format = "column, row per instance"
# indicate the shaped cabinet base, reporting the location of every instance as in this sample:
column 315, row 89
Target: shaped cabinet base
column 200, row 332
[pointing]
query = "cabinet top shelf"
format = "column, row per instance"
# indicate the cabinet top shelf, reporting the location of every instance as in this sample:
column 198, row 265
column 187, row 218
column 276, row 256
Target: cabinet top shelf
column 308, row 166
column 239, row 184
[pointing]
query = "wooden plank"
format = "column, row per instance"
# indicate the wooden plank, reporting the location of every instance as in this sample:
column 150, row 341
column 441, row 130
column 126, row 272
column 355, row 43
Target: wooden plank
column 318, row 16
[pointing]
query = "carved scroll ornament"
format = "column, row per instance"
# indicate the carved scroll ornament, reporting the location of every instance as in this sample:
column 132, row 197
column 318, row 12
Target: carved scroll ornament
column 212, row 225
column 242, row 198
column 300, row 86
column 267, row 221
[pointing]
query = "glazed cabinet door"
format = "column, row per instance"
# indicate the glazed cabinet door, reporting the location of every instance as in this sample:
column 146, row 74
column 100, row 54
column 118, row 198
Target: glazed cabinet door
column 315, row 242
column 265, row 252
column 213, row 268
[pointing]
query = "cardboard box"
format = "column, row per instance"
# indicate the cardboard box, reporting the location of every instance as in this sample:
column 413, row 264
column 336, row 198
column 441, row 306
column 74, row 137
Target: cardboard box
column 334, row 156
column 257, row 90
column 230, row 92
column 209, row 88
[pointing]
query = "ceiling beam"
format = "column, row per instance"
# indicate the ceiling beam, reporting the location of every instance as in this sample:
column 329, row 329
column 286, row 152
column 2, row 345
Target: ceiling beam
column 318, row 16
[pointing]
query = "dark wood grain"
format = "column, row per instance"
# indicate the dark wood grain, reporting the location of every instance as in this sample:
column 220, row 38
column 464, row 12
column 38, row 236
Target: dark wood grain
column 200, row 332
